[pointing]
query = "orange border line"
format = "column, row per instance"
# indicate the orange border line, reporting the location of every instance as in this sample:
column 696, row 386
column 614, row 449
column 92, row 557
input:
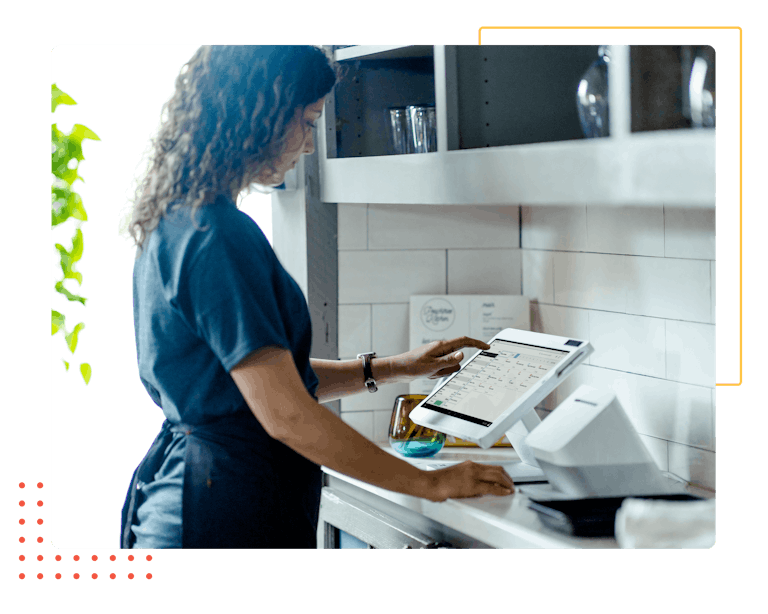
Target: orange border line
column 741, row 191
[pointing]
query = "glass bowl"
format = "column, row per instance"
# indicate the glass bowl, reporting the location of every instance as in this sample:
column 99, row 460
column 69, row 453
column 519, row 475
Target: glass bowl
column 408, row 438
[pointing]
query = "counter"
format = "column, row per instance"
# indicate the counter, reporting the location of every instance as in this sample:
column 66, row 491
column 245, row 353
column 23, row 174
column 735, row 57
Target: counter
column 406, row 521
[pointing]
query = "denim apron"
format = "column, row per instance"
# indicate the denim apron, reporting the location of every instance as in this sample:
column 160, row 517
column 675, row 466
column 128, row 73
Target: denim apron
column 241, row 488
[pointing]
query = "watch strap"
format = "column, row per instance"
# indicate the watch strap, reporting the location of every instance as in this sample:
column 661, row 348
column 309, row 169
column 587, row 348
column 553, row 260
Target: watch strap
column 370, row 383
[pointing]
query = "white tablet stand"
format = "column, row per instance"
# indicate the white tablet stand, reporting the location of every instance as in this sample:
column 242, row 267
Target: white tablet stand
column 517, row 435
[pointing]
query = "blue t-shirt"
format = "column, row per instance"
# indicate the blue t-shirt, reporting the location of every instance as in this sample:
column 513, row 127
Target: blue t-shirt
column 207, row 293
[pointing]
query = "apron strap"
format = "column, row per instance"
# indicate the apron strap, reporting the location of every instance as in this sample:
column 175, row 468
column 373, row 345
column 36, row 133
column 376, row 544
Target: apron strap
column 147, row 468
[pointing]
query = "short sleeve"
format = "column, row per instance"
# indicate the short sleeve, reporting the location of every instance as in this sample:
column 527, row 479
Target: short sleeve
column 229, row 295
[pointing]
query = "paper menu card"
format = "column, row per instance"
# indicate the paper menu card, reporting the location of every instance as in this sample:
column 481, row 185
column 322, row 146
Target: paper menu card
column 479, row 316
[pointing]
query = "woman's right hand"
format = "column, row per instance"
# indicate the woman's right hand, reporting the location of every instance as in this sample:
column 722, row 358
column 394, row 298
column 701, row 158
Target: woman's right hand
column 467, row 479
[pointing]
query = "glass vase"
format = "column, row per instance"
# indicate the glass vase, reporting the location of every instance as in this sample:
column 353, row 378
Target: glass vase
column 408, row 438
column 592, row 97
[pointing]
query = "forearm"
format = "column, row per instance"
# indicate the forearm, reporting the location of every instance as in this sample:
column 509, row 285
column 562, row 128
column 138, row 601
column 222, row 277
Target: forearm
column 341, row 378
column 327, row 440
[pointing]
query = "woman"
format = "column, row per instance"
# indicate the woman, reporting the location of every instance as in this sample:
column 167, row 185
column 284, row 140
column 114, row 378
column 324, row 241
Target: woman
column 223, row 332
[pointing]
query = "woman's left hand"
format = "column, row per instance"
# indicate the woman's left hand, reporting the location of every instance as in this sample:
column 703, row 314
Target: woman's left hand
column 434, row 360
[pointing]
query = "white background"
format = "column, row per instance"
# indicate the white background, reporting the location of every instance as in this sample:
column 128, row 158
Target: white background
column 119, row 90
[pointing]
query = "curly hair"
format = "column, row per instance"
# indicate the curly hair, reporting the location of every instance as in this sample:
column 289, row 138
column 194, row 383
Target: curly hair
column 225, row 125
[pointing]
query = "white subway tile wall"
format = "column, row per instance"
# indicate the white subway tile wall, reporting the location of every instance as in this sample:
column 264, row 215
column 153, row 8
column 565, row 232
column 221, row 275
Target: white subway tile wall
column 538, row 275
column 639, row 282
column 352, row 227
column 627, row 343
column 592, row 281
column 689, row 233
column 390, row 329
column 355, row 321
column 484, row 271
column 668, row 288
column 442, row 227
column 691, row 352
column 554, row 228
column 390, row 276
column 637, row 231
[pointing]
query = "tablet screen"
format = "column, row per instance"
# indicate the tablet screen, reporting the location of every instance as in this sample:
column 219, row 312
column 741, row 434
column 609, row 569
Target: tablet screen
column 493, row 380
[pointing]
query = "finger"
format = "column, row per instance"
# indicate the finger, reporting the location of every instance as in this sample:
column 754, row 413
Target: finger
column 463, row 342
column 444, row 372
column 501, row 491
column 495, row 473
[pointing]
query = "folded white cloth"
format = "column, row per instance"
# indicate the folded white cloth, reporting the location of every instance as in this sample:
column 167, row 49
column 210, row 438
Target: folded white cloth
column 657, row 523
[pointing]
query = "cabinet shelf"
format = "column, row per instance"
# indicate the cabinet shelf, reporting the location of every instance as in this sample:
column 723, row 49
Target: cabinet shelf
column 556, row 166
column 670, row 167
column 382, row 52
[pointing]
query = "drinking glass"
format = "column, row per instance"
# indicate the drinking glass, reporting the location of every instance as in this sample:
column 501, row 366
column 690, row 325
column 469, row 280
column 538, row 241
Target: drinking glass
column 408, row 438
column 398, row 131
column 422, row 126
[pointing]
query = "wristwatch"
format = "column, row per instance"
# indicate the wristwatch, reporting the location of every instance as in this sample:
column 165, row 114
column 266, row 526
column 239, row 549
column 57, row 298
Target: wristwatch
column 370, row 383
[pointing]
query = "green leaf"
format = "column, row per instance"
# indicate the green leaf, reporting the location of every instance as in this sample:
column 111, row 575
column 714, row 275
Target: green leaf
column 77, row 246
column 85, row 370
column 57, row 321
column 76, row 209
column 58, row 97
column 69, row 296
column 68, row 174
column 72, row 337
column 67, row 262
column 80, row 132
column 66, row 365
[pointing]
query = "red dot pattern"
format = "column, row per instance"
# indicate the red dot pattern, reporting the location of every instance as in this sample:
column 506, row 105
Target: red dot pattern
column 58, row 557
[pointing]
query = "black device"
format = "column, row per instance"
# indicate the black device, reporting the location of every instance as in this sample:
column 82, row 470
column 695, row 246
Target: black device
column 590, row 517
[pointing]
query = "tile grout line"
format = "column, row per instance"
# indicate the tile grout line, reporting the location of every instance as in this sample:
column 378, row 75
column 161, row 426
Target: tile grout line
column 446, row 271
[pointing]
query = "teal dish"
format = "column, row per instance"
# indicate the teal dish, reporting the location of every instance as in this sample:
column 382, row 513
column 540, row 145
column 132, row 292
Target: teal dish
column 419, row 448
